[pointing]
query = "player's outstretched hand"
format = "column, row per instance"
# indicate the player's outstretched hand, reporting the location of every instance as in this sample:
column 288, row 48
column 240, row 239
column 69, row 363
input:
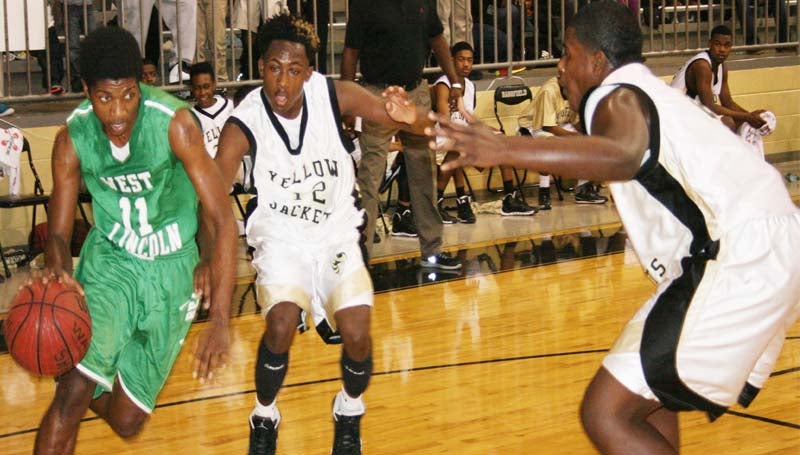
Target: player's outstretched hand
column 477, row 144
column 202, row 283
column 49, row 274
column 398, row 106
column 211, row 351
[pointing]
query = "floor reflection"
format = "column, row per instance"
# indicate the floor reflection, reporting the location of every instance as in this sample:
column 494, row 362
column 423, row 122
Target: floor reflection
column 405, row 273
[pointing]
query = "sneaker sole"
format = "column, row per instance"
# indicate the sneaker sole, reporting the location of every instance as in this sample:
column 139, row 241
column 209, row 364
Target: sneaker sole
column 532, row 212
column 591, row 202
column 466, row 221
column 403, row 234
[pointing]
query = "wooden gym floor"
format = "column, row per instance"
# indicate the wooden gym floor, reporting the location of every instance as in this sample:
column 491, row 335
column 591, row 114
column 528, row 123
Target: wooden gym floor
column 491, row 361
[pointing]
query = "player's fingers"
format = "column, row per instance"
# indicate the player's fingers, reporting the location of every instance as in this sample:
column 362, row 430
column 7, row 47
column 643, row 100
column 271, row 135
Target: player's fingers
column 453, row 164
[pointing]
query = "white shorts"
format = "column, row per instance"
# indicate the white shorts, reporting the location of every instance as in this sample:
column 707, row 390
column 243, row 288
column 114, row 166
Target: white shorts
column 739, row 309
column 321, row 281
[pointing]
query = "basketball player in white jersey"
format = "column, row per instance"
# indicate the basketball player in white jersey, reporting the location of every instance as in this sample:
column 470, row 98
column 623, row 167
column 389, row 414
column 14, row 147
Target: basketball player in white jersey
column 307, row 228
column 712, row 224
column 211, row 109
column 463, row 56
column 704, row 77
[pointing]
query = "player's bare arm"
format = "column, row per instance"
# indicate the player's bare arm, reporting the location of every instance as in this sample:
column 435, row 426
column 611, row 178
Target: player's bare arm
column 620, row 135
column 726, row 100
column 231, row 148
column 61, row 210
column 186, row 141
column 441, row 50
column 700, row 77
column 394, row 109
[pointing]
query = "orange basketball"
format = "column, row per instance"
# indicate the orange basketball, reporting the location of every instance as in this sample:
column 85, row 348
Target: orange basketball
column 48, row 328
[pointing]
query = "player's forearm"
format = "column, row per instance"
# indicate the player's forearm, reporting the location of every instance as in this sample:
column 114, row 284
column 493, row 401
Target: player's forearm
column 442, row 51
column 223, row 268
column 57, row 253
column 586, row 157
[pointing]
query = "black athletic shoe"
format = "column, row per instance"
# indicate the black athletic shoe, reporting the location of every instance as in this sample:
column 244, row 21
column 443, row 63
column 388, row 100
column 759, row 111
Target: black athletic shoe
column 403, row 224
column 347, row 435
column 263, row 435
column 544, row 198
column 587, row 194
column 513, row 205
column 441, row 261
column 464, row 210
column 446, row 217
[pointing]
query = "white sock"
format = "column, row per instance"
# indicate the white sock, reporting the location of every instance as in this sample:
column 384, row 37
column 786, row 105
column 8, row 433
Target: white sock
column 346, row 405
column 544, row 181
column 581, row 182
column 270, row 411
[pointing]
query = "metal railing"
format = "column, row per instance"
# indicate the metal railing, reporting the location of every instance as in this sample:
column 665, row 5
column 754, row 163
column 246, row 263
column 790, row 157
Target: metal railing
column 526, row 33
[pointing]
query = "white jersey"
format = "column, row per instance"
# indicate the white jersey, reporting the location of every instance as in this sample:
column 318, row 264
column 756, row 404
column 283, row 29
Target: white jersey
column 469, row 95
column 302, row 171
column 697, row 180
column 679, row 79
column 212, row 120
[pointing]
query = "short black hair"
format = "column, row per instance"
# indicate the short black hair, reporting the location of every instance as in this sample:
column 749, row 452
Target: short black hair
column 610, row 27
column 201, row 68
column 461, row 46
column 110, row 53
column 291, row 28
column 721, row 30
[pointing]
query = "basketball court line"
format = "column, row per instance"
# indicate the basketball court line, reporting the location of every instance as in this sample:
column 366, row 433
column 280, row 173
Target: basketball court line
column 435, row 368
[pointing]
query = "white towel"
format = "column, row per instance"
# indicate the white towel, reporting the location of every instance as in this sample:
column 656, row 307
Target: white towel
column 754, row 136
column 10, row 150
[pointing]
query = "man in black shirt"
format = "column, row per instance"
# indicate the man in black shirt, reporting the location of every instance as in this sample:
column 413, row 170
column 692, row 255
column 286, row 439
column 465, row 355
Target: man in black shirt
column 392, row 39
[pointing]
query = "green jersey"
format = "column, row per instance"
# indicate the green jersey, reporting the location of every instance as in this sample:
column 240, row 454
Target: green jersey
column 142, row 198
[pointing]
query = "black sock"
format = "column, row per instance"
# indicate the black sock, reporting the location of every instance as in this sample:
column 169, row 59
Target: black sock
column 270, row 372
column 460, row 191
column 439, row 194
column 355, row 375
column 508, row 186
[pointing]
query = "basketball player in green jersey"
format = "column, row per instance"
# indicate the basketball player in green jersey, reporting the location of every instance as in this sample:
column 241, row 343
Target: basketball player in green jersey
column 140, row 152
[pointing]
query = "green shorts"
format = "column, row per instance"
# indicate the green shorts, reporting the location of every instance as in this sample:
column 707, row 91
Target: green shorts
column 141, row 310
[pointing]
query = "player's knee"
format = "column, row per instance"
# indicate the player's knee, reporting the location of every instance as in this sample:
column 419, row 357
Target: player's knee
column 74, row 391
column 356, row 341
column 128, row 426
column 281, row 324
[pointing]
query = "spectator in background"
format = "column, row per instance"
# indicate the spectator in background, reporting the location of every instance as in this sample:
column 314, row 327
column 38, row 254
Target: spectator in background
column 320, row 22
column 149, row 73
column 180, row 17
column 456, row 17
column 211, row 35
column 211, row 109
column 79, row 20
column 56, row 59
column 247, row 16
column 392, row 39
column 552, row 116
column 747, row 8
